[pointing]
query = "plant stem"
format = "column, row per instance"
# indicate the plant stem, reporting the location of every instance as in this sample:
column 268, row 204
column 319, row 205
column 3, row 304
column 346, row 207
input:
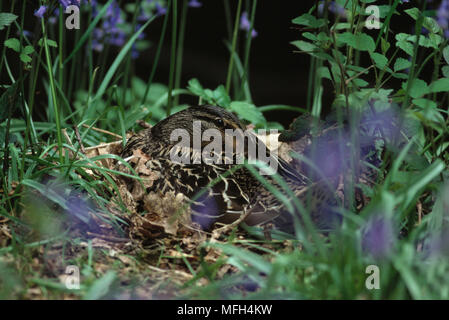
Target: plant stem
column 53, row 92
column 234, row 43
column 158, row 54
column 180, row 52
column 173, row 56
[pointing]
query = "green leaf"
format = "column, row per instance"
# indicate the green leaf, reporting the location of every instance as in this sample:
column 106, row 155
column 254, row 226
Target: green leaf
column 50, row 43
column 445, row 71
column 195, row 87
column 13, row 43
column 446, row 54
column 304, row 45
column 406, row 46
column 309, row 20
column 424, row 103
column 248, row 111
column 418, row 88
column 101, row 286
column 360, row 41
column 25, row 58
column 28, row 50
column 380, row 60
column 6, row 19
column 440, row 85
column 221, row 97
column 401, row 64
column 428, row 23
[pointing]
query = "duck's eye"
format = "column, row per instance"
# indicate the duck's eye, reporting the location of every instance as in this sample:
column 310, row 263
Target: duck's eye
column 219, row 121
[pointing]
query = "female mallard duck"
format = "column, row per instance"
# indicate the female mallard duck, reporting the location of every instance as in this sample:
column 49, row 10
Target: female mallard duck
column 236, row 190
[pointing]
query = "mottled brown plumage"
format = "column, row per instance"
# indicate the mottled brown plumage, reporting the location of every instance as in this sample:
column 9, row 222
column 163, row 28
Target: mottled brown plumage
column 234, row 193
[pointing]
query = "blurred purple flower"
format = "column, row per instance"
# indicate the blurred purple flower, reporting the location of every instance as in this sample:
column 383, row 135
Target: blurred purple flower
column 245, row 24
column 205, row 212
column 160, row 10
column 443, row 17
column 334, row 7
column 66, row 3
column 40, row 12
column 378, row 237
column 195, row 4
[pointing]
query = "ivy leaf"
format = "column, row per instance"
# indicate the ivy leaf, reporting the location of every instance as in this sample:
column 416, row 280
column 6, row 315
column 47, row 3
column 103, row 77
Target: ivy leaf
column 248, row 111
column 401, row 64
column 360, row 41
column 6, row 19
column 440, row 85
column 13, row 44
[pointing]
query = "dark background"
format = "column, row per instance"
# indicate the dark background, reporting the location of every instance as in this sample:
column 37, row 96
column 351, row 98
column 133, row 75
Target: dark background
column 277, row 74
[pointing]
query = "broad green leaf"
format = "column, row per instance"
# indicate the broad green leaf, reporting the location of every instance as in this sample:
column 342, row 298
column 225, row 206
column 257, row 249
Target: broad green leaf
column 25, row 58
column 360, row 41
column 424, row 103
column 309, row 20
column 440, row 85
column 428, row 23
column 445, row 71
column 6, row 19
column 380, row 60
column 304, row 45
column 247, row 111
column 418, row 88
column 446, row 54
column 13, row 44
column 28, row 50
column 401, row 64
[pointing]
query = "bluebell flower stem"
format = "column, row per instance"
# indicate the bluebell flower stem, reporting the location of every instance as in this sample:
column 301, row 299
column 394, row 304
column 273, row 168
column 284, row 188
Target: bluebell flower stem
column 248, row 47
column 61, row 47
column 234, row 44
column 180, row 52
column 173, row 56
column 53, row 92
column 158, row 54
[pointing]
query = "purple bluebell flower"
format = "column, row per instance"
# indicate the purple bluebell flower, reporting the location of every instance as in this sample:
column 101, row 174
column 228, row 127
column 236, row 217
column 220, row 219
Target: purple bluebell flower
column 378, row 237
column 160, row 10
column 195, row 4
column 334, row 7
column 40, row 12
column 245, row 24
column 66, row 3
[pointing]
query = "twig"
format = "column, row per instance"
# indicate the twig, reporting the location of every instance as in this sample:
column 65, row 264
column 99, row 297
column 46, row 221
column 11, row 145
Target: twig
column 103, row 131
column 78, row 138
